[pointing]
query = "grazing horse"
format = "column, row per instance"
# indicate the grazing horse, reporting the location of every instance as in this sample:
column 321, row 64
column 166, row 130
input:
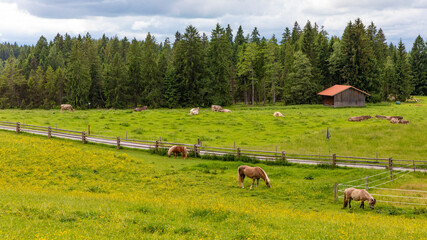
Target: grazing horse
column 358, row 195
column 252, row 172
column 175, row 150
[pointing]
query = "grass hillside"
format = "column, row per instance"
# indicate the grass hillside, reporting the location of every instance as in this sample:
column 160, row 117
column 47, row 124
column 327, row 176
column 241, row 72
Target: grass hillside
column 302, row 130
column 59, row 189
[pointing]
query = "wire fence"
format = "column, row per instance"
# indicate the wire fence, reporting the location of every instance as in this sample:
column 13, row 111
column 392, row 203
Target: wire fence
column 382, row 194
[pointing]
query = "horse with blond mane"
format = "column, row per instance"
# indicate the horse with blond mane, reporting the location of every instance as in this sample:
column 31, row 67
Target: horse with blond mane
column 175, row 150
column 252, row 172
column 358, row 195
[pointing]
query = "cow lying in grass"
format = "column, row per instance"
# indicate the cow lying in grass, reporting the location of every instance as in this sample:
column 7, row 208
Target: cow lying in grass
column 194, row 111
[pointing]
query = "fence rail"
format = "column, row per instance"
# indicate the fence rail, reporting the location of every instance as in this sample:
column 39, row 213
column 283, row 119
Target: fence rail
column 386, row 195
column 334, row 160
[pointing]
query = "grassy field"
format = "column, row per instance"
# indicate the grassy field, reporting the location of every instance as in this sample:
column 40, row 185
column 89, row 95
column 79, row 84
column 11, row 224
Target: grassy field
column 302, row 130
column 59, row 189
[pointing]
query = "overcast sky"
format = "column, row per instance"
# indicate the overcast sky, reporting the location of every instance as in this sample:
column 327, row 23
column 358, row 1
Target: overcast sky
column 24, row 21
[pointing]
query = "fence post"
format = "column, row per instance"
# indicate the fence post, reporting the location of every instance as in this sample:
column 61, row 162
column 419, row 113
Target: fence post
column 18, row 127
column 367, row 186
column 157, row 145
column 334, row 160
column 118, row 142
column 413, row 163
column 238, row 153
column 283, row 156
column 49, row 132
column 83, row 137
column 390, row 167
column 195, row 150
column 199, row 142
column 88, row 129
column 335, row 191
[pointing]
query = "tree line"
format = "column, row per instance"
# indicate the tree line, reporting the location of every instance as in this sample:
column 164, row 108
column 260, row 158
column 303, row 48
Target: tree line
column 197, row 70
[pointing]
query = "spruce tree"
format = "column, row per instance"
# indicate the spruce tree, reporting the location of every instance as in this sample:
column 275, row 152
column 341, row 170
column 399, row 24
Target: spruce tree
column 219, row 62
column 96, row 93
column 303, row 90
column 150, row 72
column 188, row 62
column 116, row 85
column 136, row 80
column 78, row 77
column 403, row 87
column 418, row 61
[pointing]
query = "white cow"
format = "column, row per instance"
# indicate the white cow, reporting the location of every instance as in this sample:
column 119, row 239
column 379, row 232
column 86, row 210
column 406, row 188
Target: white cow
column 278, row 114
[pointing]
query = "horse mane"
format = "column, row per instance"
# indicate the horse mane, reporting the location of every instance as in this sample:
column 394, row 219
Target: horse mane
column 170, row 150
column 264, row 175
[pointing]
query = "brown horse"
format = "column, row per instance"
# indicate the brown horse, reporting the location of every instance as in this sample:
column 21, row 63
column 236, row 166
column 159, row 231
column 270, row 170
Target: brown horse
column 175, row 150
column 358, row 195
column 252, row 172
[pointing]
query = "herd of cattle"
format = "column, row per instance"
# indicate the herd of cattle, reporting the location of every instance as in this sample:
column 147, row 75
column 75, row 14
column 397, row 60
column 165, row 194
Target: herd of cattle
column 217, row 108
column 193, row 111
column 392, row 119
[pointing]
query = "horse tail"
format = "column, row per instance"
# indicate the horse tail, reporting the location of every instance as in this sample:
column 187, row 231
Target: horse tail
column 170, row 150
column 239, row 176
column 184, row 152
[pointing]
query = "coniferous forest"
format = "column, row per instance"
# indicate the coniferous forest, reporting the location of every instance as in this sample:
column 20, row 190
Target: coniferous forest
column 200, row 70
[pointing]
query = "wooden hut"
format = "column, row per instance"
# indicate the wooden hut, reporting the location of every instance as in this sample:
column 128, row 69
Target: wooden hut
column 343, row 96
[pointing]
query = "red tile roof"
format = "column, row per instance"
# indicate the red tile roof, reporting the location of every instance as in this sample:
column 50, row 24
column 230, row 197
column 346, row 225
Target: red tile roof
column 334, row 90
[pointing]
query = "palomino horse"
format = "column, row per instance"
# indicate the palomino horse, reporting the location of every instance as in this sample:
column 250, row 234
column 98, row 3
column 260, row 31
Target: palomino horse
column 252, row 172
column 175, row 150
column 358, row 195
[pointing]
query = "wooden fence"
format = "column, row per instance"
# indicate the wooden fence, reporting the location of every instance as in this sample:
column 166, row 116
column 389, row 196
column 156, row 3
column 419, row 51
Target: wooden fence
column 198, row 148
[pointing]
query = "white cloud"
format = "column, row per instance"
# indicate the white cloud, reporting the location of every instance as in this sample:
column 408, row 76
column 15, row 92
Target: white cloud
column 25, row 21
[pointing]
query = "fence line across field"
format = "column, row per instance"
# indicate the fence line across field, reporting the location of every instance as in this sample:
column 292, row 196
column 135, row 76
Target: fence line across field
column 338, row 193
column 202, row 149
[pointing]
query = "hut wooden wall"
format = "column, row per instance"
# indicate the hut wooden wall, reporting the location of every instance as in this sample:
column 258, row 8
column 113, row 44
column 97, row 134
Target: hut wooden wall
column 328, row 101
column 349, row 97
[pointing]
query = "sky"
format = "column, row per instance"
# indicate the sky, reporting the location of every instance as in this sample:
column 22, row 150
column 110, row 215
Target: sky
column 24, row 21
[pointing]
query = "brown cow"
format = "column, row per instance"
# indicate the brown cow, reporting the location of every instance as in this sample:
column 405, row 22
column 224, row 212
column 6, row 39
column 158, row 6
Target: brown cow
column 216, row 108
column 359, row 118
column 397, row 117
column 67, row 107
column 394, row 120
column 139, row 109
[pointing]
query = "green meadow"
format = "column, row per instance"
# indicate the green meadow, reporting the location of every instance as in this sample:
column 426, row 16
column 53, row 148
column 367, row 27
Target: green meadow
column 302, row 130
column 62, row 189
